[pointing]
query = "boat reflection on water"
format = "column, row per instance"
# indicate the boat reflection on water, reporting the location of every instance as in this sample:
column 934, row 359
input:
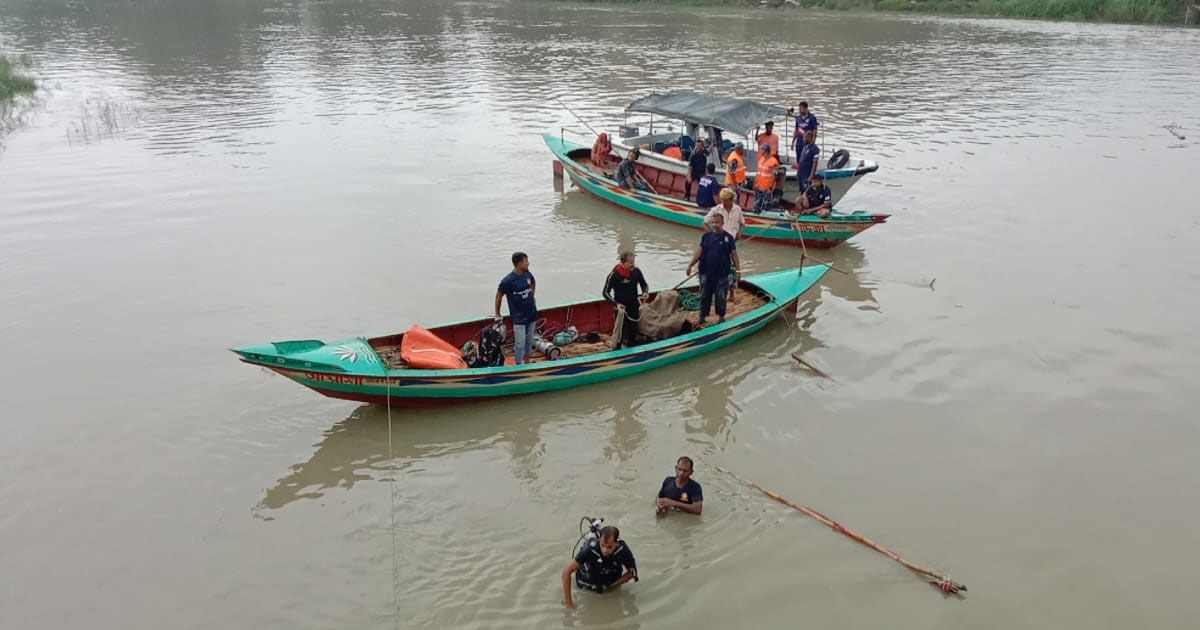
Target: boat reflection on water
column 581, row 212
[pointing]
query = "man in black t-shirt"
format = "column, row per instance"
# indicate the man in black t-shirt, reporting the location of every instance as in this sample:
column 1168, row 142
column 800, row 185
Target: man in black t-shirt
column 625, row 288
column 680, row 492
column 697, row 167
column 604, row 563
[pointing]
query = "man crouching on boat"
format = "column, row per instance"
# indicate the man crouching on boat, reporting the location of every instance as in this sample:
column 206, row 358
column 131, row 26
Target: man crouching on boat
column 603, row 564
column 627, row 176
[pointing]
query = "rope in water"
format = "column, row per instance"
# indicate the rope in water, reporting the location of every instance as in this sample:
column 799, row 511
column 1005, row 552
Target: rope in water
column 942, row 582
column 392, row 493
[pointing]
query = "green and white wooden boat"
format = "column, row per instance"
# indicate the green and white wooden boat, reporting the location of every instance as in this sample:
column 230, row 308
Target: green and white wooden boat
column 668, row 204
column 362, row 369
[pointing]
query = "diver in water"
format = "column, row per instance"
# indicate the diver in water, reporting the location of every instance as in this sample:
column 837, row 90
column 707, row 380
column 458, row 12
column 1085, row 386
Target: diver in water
column 605, row 562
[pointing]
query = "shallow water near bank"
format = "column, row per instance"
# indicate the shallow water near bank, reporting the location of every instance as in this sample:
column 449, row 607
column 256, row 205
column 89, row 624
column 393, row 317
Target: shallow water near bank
column 1013, row 354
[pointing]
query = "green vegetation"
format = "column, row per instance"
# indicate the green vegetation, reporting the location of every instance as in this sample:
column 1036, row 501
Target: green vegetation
column 1144, row 11
column 12, row 81
column 1147, row 11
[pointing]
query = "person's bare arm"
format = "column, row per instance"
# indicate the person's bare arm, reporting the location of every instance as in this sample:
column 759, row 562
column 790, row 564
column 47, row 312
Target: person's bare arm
column 571, row 567
column 695, row 259
column 627, row 576
column 533, row 287
column 737, row 263
column 499, row 296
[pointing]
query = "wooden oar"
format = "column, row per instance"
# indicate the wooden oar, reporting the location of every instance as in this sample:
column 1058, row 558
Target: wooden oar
column 639, row 176
column 942, row 582
column 804, row 249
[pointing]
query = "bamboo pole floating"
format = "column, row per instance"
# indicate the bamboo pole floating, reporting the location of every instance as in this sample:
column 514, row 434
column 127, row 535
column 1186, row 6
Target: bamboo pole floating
column 810, row 366
column 941, row 582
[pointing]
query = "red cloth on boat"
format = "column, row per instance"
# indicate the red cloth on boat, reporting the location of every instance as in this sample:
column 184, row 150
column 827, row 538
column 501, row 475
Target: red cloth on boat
column 423, row 350
column 601, row 150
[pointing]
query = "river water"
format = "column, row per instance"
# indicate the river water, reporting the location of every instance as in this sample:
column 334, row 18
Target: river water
column 1014, row 355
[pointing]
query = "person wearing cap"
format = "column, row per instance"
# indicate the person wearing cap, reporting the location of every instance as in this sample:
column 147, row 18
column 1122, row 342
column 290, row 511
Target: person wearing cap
column 807, row 159
column 627, row 175
column 817, row 198
column 730, row 213
column 733, row 222
column 706, row 191
column 697, row 167
column 806, row 121
column 735, row 167
column 764, row 179
column 769, row 137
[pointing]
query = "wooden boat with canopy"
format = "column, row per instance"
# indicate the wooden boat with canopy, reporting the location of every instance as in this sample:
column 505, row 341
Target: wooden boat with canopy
column 668, row 202
column 723, row 121
column 371, row 370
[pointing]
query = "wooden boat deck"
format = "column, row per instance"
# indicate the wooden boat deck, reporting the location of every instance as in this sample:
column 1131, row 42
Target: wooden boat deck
column 747, row 300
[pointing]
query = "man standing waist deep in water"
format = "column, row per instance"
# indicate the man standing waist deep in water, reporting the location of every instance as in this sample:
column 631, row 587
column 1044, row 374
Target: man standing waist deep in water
column 680, row 492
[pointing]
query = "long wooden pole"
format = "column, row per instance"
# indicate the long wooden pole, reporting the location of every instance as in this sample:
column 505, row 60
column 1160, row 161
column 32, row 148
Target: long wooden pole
column 942, row 582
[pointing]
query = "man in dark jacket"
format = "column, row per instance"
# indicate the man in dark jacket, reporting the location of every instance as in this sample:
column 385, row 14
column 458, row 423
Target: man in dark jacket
column 622, row 290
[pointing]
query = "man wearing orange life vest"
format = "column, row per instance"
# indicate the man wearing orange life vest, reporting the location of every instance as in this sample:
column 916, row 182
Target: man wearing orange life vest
column 735, row 167
column 764, row 179
column 769, row 137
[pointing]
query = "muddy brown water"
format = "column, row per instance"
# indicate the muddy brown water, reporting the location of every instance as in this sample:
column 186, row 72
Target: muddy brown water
column 1014, row 355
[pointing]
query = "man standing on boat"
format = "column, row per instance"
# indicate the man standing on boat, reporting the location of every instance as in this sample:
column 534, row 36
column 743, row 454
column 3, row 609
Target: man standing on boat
column 764, row 179
column 730, row 213
column 817, row 198
column 626, row 288
column 735, row 167
column 806, row 121
column 519, row 287
column 807, row 159
column 731, row 216
column 697, row 167
column 716, row 254
column 706, row 192
column 769, row 137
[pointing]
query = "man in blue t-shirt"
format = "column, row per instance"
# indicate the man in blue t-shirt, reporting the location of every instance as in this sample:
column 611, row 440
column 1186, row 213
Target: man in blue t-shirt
column 817, row 198
column 680, row 492
column 716, row 255
column 807, row 159
column 706, row 193
column 805, row 122
column 519, row 287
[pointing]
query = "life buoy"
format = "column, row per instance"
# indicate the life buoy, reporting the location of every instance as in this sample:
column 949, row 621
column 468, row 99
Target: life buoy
column 840, row 158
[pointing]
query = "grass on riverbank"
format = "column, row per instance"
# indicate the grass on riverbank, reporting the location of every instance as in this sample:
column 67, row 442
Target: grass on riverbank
column 12, row 80
column 1142, row 11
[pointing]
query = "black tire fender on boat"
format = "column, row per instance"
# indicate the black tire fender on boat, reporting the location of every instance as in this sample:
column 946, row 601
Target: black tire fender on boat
column 839, row 159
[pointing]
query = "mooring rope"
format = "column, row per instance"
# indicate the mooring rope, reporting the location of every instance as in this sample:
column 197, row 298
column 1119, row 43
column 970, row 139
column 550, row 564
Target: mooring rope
column 942, row 582
column 392, row 493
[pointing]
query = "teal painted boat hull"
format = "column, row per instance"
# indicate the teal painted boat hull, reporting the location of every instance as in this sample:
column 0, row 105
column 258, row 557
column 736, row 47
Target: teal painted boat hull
column 814, row 231
column 351, row 369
